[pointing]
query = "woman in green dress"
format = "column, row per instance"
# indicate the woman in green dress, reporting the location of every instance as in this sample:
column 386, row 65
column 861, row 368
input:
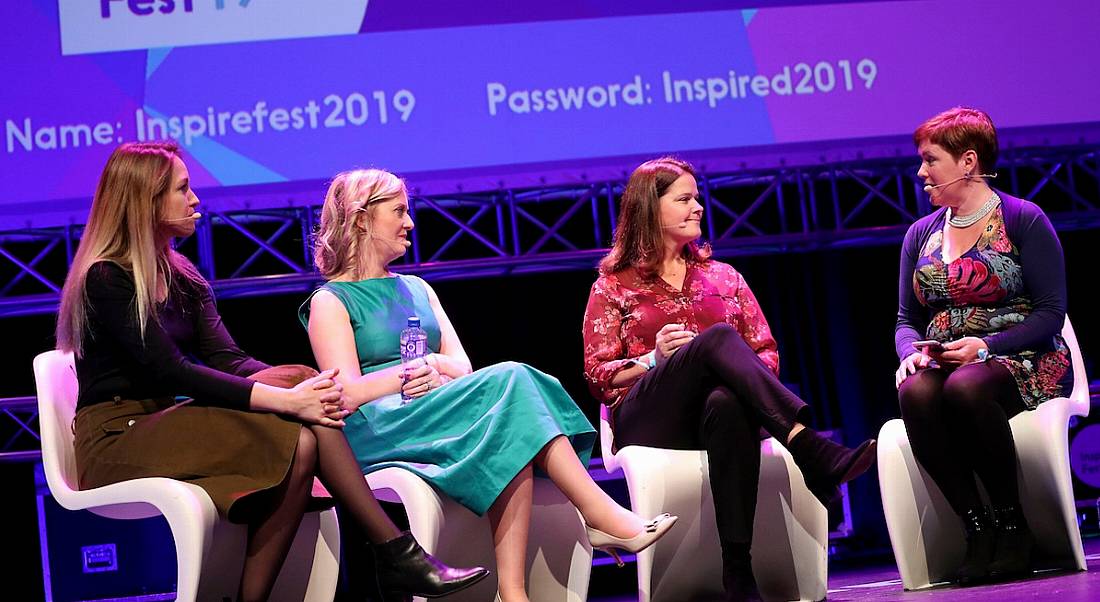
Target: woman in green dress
column 473, row 435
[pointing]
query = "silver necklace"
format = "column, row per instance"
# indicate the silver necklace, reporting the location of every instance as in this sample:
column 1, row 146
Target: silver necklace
column 969, row 220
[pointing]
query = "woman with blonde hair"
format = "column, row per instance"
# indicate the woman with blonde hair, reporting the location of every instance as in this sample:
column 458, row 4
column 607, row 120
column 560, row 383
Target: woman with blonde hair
column 144, row 330
column 473, row 435
column 678, row 348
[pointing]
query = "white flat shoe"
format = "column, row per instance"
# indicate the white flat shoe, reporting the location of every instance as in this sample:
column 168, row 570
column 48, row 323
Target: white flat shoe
column 651, row 532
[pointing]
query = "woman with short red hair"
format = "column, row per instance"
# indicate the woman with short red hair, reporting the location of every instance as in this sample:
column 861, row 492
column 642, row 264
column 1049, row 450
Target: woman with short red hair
column 983, row 284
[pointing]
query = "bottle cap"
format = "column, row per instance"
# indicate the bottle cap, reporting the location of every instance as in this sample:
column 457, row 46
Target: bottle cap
column 414, row 322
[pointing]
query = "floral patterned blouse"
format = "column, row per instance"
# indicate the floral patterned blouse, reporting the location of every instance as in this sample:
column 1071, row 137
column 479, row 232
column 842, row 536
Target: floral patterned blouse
column 981, row 293
column 625, row 312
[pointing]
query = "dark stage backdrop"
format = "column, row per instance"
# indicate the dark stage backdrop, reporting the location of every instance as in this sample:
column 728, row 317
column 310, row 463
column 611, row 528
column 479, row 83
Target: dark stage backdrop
column 832, row 313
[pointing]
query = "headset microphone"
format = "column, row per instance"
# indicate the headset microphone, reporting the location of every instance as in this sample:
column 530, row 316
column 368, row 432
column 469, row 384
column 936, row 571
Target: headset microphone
column 682, row 224
column 930, row 187
column 193, row 217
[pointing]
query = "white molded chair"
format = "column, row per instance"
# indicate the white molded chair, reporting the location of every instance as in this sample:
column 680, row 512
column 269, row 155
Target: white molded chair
column 209, row 550
column 927, row 536
column 790, row 532
column 559, row 558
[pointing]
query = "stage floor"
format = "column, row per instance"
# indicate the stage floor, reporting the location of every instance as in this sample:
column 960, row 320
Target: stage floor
column 881, row 582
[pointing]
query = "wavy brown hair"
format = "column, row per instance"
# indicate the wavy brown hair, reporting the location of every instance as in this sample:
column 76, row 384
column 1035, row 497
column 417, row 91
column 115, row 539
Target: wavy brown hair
column 639, row 238
column 336, row 244
column 122, row 228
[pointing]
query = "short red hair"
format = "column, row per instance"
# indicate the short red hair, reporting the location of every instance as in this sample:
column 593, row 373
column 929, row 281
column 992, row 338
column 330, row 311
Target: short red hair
column 961, row 129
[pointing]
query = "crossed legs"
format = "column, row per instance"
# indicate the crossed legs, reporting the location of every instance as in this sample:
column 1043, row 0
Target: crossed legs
column 323, row 452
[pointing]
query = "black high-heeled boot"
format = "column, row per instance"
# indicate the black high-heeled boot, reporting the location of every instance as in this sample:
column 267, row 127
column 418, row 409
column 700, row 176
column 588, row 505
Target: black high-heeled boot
column 404, row 568
column 980, row 538
column 1012, row 553
column 826, row 465
column 737, row 577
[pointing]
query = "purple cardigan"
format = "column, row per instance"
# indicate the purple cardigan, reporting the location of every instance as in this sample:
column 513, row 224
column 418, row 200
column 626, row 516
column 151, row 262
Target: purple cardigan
column 1044, row 274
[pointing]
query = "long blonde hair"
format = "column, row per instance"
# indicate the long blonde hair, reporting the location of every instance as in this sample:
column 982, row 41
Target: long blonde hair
column 122, row 228
column 336, row 244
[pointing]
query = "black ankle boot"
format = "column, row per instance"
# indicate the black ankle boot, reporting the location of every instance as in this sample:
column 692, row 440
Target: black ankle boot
column 826, row 465
column 980, row 538
column 403, row 567
column 737, row 577
column 1012, row 553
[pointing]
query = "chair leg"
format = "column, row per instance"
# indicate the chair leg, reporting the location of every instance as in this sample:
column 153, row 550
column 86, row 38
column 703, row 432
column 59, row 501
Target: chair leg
column 1046, row 487
column 326, row 561
column 312, row 565
column 686, row 563
column 194, row 526
column 559, row 558
column 790, row 555
column 926, row 535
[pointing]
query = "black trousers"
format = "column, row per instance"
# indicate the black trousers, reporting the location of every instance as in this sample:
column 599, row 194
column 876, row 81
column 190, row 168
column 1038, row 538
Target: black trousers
column 957, row 422
column 714, row 394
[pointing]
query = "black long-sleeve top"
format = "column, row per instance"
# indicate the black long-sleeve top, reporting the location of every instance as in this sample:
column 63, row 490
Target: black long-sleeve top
column 185, row 351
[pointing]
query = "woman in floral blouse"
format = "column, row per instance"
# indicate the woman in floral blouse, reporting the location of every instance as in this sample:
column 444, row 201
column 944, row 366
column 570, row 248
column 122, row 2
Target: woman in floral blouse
column 984, row 278
column 676, row 345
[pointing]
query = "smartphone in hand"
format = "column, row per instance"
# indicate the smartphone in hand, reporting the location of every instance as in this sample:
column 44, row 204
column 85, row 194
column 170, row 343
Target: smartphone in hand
column 932, row 345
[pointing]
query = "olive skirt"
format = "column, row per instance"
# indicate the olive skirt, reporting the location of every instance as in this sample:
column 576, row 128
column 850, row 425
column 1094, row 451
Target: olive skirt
column 238, row 457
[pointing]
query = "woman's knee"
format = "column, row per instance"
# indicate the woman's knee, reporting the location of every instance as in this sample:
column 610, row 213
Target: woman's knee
column 511, row 370
column 970, row 388
column 921, row 394
column 721, row 400
column 718, row 331
column 511, row 367
column 286, row 375
column 722, row 337
column 305, row 455
column 723, row 410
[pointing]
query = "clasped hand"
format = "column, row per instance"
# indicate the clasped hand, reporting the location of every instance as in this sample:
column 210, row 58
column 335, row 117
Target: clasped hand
column 953, row 354
column 670, row 338
column 320, row 400
column 419, row 377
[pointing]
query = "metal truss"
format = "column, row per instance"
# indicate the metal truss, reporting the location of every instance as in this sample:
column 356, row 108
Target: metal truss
column 509, row 231
column 498, row 232
column 19, row 439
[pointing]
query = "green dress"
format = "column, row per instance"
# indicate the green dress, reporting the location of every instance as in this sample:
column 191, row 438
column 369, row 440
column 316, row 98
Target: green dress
column 470, row 437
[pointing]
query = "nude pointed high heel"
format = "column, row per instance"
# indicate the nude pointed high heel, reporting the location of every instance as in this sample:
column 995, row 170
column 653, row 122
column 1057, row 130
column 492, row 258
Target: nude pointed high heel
column 651, row 532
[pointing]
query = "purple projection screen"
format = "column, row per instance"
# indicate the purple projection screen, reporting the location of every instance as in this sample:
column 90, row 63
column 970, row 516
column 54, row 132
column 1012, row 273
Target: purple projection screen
column 278, row 95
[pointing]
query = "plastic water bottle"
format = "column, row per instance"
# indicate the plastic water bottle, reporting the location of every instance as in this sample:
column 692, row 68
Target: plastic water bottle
column 414, row 345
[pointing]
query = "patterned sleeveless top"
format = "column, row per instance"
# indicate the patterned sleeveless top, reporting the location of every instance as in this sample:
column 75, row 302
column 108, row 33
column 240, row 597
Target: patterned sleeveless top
column 982, row 292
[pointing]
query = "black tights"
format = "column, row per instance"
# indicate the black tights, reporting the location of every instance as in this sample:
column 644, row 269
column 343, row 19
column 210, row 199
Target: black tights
column 957, row 422
column 714, row 393
column 322, row 452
